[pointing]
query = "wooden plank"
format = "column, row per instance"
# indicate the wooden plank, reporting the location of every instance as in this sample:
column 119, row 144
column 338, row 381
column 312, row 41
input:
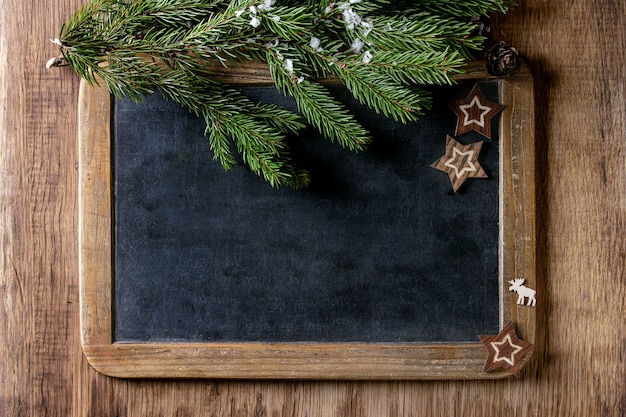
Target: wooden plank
column 518, row 212
column 575, row 50
column 95, row 220
column 318, row 361
column 245, row 361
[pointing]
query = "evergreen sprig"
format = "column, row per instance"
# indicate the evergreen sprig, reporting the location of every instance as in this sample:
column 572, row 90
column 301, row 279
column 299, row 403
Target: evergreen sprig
column 381, row 50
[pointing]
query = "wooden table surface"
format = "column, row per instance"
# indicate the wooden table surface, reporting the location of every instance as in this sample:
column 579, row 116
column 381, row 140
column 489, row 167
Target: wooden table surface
column 576, row 51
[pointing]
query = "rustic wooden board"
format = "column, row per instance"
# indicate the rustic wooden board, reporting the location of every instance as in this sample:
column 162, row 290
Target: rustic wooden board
column 575, row 50
column 300, row 360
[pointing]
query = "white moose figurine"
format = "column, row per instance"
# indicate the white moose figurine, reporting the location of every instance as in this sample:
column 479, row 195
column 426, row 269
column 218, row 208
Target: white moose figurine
column 523, row 291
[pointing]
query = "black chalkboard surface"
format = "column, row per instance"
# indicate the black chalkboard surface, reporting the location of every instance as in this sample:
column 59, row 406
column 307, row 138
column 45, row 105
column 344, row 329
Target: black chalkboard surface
column 378, row 249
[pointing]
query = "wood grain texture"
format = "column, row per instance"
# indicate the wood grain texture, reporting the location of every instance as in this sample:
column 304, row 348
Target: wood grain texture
column 576, row 51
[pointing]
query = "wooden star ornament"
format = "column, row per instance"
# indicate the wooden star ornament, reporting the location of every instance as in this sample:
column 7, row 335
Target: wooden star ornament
column 460, row 162
column 475, row 113
column 506, row 350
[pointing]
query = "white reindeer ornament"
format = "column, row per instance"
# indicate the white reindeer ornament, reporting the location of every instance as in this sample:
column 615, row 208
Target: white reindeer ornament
column 523, row 292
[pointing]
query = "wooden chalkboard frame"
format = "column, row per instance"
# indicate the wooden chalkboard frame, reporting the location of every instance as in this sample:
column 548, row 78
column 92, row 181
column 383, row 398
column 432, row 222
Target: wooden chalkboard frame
column 301, row 360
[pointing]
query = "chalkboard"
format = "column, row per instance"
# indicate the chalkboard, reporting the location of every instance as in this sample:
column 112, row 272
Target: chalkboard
column 378, row 252
column 378, row 249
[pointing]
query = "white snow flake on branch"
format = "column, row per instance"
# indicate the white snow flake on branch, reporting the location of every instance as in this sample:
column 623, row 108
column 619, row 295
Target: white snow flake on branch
column 357, row 46
column 350, row 17
column 367, row 27
column 315, row 44
column 353, row 20
column 289, row 65
column 266, row 6
column 255, row 21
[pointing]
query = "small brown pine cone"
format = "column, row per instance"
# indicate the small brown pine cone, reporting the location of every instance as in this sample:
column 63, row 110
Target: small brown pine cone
column 502, row 60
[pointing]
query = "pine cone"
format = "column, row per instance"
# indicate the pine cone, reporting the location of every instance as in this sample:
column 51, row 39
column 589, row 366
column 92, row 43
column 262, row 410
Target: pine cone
column 502, row 60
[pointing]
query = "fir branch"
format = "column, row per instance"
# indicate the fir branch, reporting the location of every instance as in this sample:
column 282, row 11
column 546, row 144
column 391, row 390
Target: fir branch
column 379, row 49
column 430, row 68
column 444, row 8
column 282, row 120
column 455, row 8
column 329, row 116
column 316, row 104
column 289, row 23
column 385, row 96
column 423, row 32
column 228, row 114
column 262, row 150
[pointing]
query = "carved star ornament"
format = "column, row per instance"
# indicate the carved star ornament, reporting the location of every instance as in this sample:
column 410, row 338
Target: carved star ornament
column 506, row 350
column 475, row 113
column 460, row 162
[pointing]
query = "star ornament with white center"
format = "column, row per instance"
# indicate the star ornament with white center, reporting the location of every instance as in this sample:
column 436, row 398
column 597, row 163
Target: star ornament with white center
column 474, row 113
column 469, row 113
column 507, row 346
column 506, row 350
column 460, row 162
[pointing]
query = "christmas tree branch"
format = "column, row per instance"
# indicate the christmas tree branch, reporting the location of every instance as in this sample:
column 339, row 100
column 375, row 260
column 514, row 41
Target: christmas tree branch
column 379, row 49
column 316, row 104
